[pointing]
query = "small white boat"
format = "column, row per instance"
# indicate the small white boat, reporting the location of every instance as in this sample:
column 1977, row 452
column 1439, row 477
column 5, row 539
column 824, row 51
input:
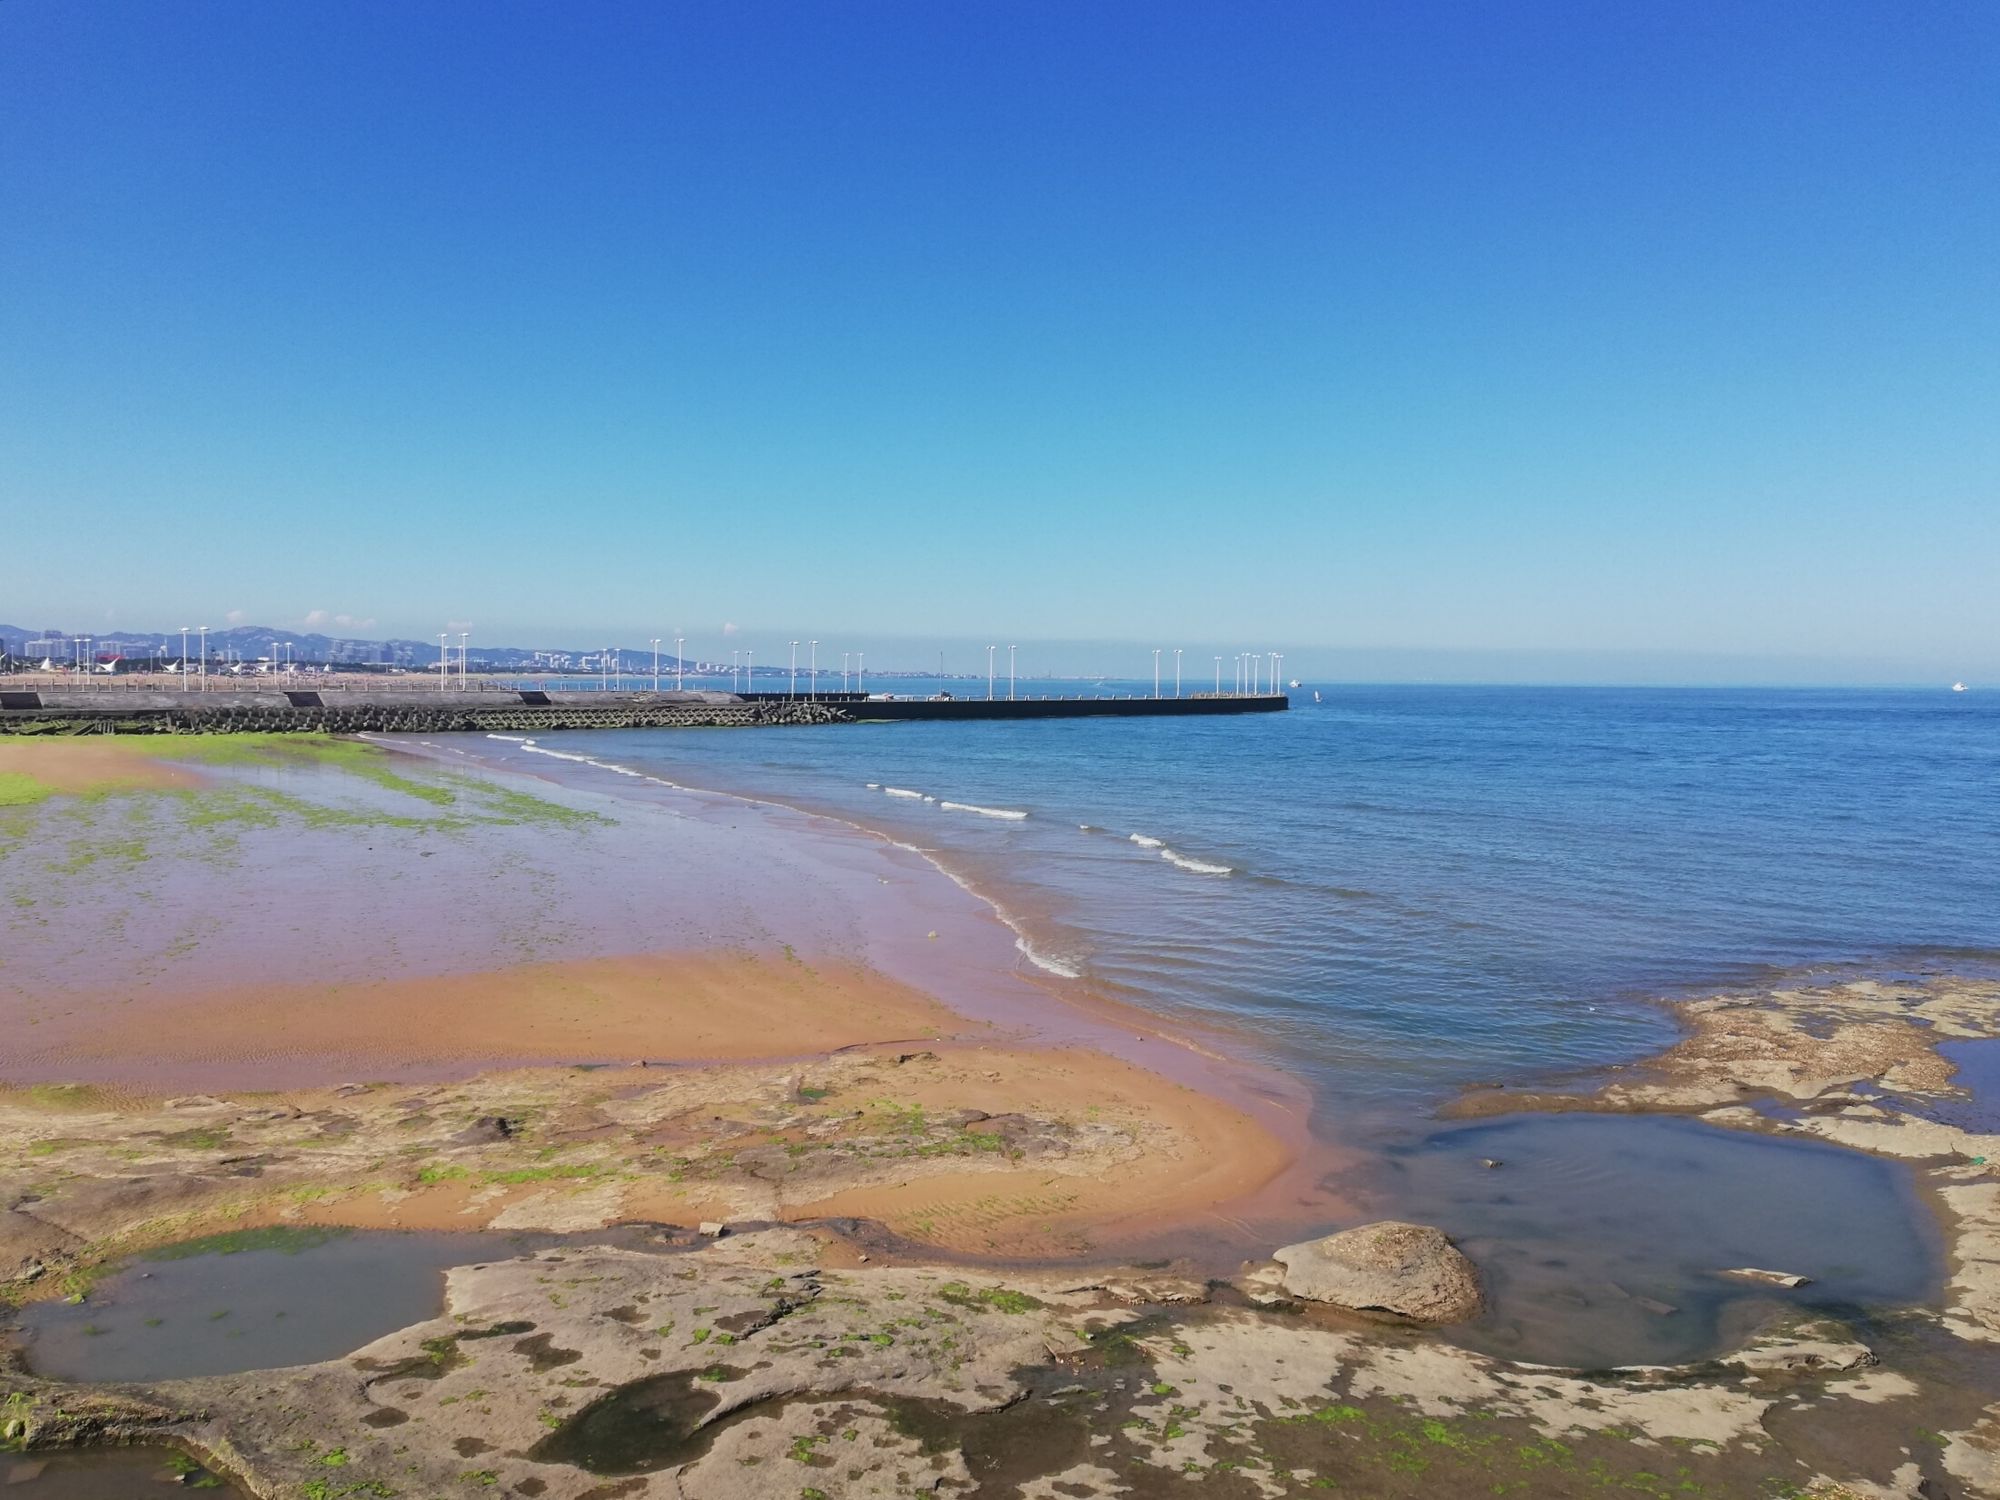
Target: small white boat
column 1297, row 683
column 1315, row 695
column 1958, row 687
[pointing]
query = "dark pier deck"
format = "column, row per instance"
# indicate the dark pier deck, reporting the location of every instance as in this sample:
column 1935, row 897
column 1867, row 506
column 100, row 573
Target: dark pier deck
column 118, row 708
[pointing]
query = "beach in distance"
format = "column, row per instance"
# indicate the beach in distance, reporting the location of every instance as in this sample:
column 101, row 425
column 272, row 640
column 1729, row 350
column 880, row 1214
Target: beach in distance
column 1020, row 1049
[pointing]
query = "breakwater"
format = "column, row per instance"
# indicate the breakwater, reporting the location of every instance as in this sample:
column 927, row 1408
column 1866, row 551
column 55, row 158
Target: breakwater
column 415, row 711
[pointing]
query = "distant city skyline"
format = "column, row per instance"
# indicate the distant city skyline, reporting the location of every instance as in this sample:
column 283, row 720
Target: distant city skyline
column 1130, row 660
column 1536, row 342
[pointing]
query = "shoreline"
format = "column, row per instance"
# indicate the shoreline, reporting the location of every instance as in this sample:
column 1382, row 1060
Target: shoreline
column 1195, row 1161
column 960, row 1219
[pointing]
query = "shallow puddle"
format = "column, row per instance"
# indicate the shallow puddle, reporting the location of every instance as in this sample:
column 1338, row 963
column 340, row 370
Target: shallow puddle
column 1600, row 1237
column 255, row 1300
column 107, row 1474
column 1978, row 1064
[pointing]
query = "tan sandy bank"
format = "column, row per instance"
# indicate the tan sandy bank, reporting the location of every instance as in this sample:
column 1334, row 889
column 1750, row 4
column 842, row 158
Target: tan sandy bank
column 717, row 1087
column 682, row 1007
column 985, row 1151
column 33, row 768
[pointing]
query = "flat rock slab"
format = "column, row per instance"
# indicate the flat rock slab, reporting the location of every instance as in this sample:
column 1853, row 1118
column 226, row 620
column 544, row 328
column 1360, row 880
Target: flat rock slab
column 1409, row 1270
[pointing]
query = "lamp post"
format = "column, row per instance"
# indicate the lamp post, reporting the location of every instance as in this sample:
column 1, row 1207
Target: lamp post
column 463, row 637
column 656, row 664
column 989, row 672
column 1156, row 671
column 793, row 691
column 857, row 672
column 812, row 671
column 680, row 663
column 202, row 631
column 734, row 658
column 1218, row 677
column 444, row 658
column 749, row 671
column 1010, row 673
column 843, row 670
column 1177, row 671
column 184, row 658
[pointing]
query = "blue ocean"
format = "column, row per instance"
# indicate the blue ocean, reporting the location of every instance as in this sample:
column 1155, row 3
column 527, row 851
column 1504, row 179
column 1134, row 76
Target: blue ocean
column 1407, row 889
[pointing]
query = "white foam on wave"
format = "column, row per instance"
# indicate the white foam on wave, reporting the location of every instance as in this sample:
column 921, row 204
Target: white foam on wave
column 512, row 739
column 1199, row 867
column 534, row 749
column 985, row 812
column 1048, row 963
column 1148, row 843
column 873, row 786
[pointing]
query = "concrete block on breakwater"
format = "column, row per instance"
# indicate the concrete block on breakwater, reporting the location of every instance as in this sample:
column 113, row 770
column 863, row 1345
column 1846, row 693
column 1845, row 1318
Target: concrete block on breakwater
column 143, row 710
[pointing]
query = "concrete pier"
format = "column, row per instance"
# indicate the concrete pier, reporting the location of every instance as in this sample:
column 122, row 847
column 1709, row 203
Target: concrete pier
column 123, row 709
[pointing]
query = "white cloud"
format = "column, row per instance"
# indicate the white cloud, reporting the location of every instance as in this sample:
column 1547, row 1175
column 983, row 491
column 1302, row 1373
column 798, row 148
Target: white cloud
column 729, row 630
column 235, row 617
column 352, row 623
column 458, row 624
column 315, row 618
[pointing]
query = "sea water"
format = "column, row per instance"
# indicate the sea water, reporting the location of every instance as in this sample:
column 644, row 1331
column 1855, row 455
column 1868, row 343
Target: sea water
column 1400, row 892
column 1403, row 890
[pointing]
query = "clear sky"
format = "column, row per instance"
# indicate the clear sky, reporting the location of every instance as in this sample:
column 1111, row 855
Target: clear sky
column 1666, row 332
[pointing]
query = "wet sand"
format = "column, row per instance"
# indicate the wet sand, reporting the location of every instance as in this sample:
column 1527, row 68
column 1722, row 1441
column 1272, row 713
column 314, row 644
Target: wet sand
column 75, row 765
column 399, row 913
column 680, row 1008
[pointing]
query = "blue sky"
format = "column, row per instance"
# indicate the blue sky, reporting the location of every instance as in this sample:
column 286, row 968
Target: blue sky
column 1662, row 333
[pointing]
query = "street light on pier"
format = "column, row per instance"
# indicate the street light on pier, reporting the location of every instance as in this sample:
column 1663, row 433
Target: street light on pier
column 1177, row 671
column 857, row 672
column 680, row 663
column 989, row 672
column 1010, row 672
column 794, row 691
column 843, row 670
column 812, row 672
column 184, row 657
column 463, row 637
column 656, row 663
column 202, row 631
column 1156, row 671
column 444, row 657
column 1218, row 677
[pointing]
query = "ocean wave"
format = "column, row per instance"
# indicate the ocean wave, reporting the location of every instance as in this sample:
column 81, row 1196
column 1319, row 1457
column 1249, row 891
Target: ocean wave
column 1042, row 961
column 1199, row 867
column 1048, row 963
column 534, row 749
column 1145, row 842
column 984, row 812
column 512, row 739
column 873, row 786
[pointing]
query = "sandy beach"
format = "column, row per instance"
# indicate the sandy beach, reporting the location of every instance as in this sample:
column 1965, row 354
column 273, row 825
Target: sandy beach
column 1095, row 1147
